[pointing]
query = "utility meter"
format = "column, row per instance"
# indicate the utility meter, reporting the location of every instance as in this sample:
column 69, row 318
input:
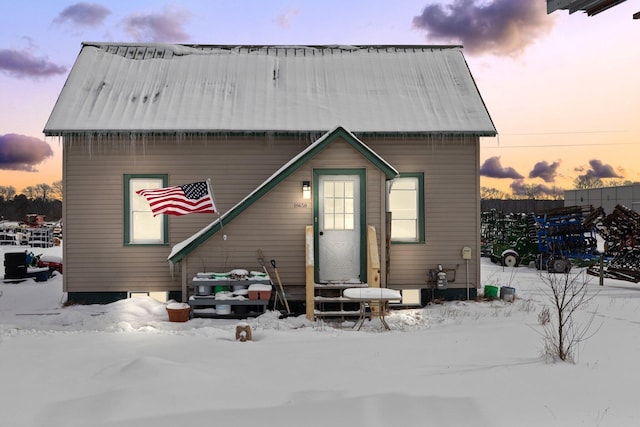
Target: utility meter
column 441, row 278
column 466, row 252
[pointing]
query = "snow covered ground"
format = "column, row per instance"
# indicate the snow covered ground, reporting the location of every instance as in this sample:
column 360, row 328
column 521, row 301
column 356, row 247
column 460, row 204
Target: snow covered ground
column 454, row 364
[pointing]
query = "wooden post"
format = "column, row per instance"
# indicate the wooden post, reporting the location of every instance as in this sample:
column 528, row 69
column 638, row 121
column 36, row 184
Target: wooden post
column 184, row 279
column 373, row 258
column 309, row 267
column 373, row 264
column 601, row 270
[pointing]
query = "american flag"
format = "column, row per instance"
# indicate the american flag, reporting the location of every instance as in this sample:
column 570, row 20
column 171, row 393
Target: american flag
column 180, row 199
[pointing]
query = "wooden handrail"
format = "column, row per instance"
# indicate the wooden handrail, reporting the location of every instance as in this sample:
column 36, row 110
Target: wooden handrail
column 309, row 267
column 373, row 258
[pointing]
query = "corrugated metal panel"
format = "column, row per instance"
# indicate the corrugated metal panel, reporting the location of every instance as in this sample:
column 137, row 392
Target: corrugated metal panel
column 591, row 7
column 176, row 88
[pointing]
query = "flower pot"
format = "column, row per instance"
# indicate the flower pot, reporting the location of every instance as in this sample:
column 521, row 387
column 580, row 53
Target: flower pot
column 259, row 291
column 178, row 312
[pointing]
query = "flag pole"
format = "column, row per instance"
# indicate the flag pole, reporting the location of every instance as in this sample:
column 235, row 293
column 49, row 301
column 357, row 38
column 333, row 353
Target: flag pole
column 213, row 202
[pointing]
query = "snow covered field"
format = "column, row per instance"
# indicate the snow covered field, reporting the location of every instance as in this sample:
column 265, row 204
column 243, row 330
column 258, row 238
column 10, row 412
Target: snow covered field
column 454, row 364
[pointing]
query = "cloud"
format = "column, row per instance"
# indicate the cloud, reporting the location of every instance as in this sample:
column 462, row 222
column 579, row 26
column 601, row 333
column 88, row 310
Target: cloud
column 284, row 20
column 501, row 27
column 21, row 63
column 545, row 171
column 83, row 15
column 519, row 188
column 164, row 27
column 22, row 153
column 599, row 170
column 492, row 168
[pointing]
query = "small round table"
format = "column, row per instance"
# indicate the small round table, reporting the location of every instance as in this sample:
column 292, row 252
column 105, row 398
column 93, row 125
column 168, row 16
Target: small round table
column 365, row 296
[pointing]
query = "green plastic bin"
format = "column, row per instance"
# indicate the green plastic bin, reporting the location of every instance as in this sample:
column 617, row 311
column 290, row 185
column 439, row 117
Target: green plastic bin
column 490, row 291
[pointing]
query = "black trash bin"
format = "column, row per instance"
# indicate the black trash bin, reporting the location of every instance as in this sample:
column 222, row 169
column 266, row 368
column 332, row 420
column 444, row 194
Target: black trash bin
column 15, row 265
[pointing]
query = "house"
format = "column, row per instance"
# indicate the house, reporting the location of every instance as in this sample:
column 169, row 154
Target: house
column 385, row 139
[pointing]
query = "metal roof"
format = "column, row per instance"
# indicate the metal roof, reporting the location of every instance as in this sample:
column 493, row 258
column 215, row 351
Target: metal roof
column 590, row 7
column 160, row 88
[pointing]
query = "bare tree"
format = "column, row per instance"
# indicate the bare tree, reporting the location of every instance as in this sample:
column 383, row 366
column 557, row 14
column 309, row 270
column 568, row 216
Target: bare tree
column 561, row 332
column 584, row 182
column 491, row 193
column 30, row 192
column 57, row 192
column 7, row 191
column 43, row 190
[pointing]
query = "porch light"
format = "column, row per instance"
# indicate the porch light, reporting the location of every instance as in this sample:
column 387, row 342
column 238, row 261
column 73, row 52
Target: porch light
column 306, row 190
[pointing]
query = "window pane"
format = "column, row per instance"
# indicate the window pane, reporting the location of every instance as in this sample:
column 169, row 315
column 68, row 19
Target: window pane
column 328, row 222
column 328, row 189
column 328, row 206
column 403, row 204
column 348, row 189
column 144, row 228
column 348, row 206
column 404, row 229
column 349, row 223
column 339, row 208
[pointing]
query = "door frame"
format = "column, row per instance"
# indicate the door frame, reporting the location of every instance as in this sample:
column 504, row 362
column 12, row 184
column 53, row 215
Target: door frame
column 361, row 173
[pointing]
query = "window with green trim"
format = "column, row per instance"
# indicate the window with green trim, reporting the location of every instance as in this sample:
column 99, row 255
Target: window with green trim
column 140, row 226
column 406, row 204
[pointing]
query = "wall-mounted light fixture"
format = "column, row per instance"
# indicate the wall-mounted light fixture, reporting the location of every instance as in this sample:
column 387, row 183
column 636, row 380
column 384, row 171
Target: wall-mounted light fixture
column 306, row 189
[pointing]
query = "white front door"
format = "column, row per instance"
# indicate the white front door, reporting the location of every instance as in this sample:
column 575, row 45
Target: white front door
column 338, row 227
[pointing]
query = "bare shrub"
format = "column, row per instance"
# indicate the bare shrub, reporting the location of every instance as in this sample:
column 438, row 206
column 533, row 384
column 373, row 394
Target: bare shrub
column 561, row 332
column 544, row 317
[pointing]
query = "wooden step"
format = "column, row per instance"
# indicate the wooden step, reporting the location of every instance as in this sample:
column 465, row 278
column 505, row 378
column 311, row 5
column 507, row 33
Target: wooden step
column 321, row 299
column 337, row 313
column 339, row 285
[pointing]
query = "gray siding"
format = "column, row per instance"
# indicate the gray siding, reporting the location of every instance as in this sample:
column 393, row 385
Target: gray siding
column 452, row 208
column 97, row 260
column 276, row 223
column 95, row 256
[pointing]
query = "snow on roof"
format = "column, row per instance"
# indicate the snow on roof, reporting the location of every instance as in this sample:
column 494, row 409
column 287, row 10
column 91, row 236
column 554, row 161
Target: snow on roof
column 160, row 88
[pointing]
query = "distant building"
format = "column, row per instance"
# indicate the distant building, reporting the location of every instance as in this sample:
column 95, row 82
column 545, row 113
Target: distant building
column 607, row 197
column 520, row 205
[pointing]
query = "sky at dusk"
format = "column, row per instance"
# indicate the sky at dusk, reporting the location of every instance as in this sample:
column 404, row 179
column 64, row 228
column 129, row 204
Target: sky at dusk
column 563, row 90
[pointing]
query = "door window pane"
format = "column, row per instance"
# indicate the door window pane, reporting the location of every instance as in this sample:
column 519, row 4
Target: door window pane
column 339, row 205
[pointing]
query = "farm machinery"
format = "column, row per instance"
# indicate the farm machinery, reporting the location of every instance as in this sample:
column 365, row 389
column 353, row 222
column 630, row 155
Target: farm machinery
column 620, row 231
column 551, row 239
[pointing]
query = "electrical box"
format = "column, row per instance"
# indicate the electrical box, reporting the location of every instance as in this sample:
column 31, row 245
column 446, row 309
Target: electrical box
column 466, row 252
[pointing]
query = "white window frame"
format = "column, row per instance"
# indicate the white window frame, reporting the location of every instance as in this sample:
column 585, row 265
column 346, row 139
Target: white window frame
column 417, row 214
column 138, row 215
